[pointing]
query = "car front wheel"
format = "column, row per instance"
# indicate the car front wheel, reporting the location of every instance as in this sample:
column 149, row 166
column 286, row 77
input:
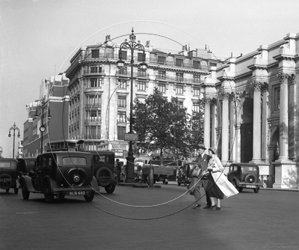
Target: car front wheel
column 89, row 196
column 49, row 197
column 236, row 186
column 110, row 188
column 25, row 193
column 256, row 190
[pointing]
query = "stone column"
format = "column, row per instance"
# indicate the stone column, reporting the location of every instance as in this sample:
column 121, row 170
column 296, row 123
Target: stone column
column 256, row 122
column 232, row 132
column 225, row 124
column 207, row 117
column 283, row 119
column 213, row 124
column 265, row 116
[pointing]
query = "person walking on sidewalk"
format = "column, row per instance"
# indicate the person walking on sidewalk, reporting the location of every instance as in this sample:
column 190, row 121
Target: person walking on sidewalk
column 203, row 162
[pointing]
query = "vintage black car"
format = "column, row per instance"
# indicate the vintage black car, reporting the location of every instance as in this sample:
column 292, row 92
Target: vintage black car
column 61, row 173
column 244, row 175
column 104, row 164
column 8, row 174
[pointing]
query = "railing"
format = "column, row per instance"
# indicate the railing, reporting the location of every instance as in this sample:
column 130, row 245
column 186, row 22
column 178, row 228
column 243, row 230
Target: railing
column 178, row 79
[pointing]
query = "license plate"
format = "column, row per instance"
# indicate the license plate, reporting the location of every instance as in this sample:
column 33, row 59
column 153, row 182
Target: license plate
column 250, row 186
column 77, row 193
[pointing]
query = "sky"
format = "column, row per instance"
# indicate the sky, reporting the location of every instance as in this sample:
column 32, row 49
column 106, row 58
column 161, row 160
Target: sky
column 39, row 37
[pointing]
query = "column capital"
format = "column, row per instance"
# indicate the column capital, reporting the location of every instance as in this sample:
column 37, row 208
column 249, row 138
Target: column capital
column 282, row 76
column 206, row 100
column 223, row 95
column 256, row 85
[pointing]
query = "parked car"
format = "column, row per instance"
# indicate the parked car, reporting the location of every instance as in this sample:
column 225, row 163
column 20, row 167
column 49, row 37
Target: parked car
column 104, row 169
column 245, row 175
column 61, row 173
column 8, row 174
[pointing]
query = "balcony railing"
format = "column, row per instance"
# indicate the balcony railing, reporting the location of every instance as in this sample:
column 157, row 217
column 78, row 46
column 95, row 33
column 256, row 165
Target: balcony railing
column 178, row 79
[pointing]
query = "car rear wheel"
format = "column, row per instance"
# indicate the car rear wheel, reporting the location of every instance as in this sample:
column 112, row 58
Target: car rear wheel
column 25, row 193
column 110, row 188
column 89, row 196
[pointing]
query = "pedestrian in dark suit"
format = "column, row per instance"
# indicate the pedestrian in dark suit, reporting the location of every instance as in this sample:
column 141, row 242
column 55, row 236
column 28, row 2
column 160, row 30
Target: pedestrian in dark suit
column 203, row 162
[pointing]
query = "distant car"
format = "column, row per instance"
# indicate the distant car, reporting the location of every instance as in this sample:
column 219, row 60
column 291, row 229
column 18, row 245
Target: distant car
column 245, row 175
column 61, row 173
column 8, row 174
column 25, row 165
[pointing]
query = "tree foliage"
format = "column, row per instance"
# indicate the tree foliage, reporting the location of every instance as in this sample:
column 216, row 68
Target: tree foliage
column 166, row 126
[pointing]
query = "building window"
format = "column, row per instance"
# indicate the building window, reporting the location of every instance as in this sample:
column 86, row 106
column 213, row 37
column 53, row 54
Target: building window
column 123, row 55
column 179, row 89
column 95, row 83
column 93, row 115
column 121, row 117
column 94, row 100
column 179, row 62
column 122, row 84
column 276, row 93
column 141, row 57
column 93, row 69
column 195, row 107
column 141, row 86
column 122, row 101
column 196, row 78
column 213, row 64
column 109, row 53
column 179, row 77
column 95, row 53
column 197, row 91
column 141, row 72
column 161, row 60
column 93, row 132
column 181, row 104
column 161, row 74
column 123, row 71
column 162, row 87
column 196, row 65
column 121, row 133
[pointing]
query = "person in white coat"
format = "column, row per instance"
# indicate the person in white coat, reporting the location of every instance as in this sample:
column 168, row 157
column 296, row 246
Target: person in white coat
column 218, row 185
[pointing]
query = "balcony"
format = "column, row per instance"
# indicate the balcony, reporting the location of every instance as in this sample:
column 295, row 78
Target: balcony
column 88, row 72
column 93, row 106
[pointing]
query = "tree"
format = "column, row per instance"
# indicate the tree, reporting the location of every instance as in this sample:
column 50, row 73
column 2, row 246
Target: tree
column 161, row 124
column 196, row 135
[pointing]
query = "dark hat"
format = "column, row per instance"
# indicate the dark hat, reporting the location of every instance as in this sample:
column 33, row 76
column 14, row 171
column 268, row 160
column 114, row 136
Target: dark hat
column 201, row 146
column 213, row 150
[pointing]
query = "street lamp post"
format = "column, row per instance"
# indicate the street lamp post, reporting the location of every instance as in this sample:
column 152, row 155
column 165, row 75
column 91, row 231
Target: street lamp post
column 14, row 128
column 131, row 45
column 42, row 128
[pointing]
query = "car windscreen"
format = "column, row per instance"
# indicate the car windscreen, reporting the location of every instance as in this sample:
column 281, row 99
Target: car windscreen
column 74, row 160
column 251, row 169
column 7, row 165
column 107, row 159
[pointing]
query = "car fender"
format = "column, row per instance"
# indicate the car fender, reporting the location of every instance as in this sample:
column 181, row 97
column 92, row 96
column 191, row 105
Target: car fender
column 94, row 182
column 52, row 184
column 236, row 180
column 26, row 182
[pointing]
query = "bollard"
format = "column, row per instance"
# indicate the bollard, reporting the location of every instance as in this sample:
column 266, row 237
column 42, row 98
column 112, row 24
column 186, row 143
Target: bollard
column 151, row 177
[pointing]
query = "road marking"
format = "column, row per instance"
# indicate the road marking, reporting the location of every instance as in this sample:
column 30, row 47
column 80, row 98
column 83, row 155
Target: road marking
column 32, row 212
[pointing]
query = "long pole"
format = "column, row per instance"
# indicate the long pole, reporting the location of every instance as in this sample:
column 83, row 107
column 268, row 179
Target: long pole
column 42, row 133
column 13, row 149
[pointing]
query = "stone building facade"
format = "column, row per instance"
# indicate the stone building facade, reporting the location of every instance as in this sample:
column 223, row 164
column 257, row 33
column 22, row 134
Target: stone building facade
column 252, row 105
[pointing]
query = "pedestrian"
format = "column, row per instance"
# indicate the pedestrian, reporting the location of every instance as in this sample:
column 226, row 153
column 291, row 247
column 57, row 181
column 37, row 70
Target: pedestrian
column 203, row 162
column 218, row 185
column 194, row 185
column 118, row 169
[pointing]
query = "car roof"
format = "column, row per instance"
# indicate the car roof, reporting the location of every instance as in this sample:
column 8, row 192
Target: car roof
column 244, row 164
column 68, row 153
column 8, row 159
